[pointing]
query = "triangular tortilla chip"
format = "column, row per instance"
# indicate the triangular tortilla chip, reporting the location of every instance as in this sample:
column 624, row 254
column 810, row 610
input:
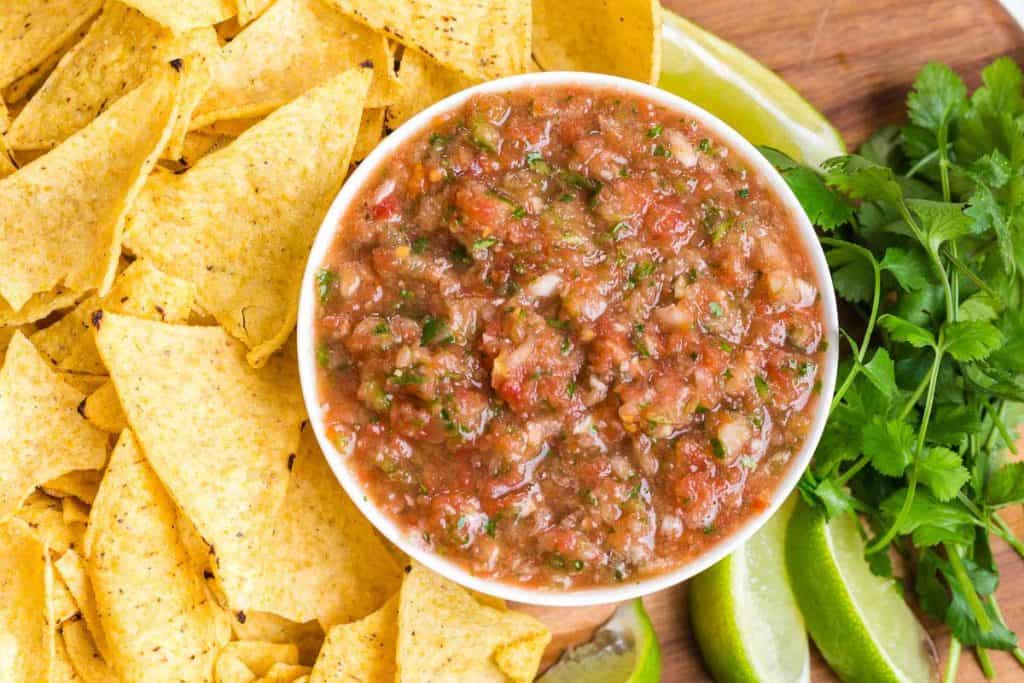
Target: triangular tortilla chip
column 122, row 48
column 61, row 216
column 45, row 516
column 64, row 605
column 75, row 511
column 63, row 670
column 231, row 669
column 26, row 618
column 103, row 409
column 424, row 82
column 259, row 655
column 250, row 9
column 182, row 15
column 285, row 673
column 42, row 434
column 86, row 659
column 27, row 84
column 38, row 306
column 619, row 37
column 296, row 45
column 239, row 224
column 361, row 651
column 32, row 30
column 158, row 621
column 228, row 471
column 371, row 130
column 72, row 571
column 443, row 633
column 483, row 40
column 322, row 559
column 263, row 626
column 81, row 484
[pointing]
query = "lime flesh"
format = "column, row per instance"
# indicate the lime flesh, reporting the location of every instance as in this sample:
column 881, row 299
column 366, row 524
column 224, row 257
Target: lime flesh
column 719, row 77
column 859, row 621
column 624, row 650
column 744, row 614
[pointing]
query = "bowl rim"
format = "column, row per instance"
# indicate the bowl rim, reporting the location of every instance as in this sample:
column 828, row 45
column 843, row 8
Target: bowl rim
column 308, row 370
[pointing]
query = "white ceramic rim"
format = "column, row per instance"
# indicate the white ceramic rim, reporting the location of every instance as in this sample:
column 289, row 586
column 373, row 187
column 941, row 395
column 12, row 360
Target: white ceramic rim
column 308, row 366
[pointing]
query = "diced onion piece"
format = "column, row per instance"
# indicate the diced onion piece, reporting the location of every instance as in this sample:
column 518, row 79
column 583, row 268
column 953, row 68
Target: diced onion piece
column 681, row 148
column 545, row 285
column 733, row 434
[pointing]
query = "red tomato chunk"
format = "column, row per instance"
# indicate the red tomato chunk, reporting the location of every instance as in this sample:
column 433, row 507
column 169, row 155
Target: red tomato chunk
column 568, row 339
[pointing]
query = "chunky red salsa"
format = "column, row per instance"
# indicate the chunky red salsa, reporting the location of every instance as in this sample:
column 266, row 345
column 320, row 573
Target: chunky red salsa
column 567, row 338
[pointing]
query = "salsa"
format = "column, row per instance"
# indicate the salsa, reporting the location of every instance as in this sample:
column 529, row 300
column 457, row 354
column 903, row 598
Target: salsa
column 567, row 338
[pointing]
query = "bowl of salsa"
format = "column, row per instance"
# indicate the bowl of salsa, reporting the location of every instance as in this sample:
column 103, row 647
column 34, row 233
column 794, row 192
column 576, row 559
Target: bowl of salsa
column 567, row 339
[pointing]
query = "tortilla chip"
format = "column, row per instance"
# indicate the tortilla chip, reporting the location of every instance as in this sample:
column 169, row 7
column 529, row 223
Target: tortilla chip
column 259, row 656
column 239, row 224
column 250, row 9
column 83, row 384
column 63, row 604
column 371, row 131
column 27, row 84
column 139, row 290
column 26, row 620
column 132, row 550
column 231, row 127
column 361, row 651
column 182, row 15
column 81, row 484
column 444, row 634
column 263, row 626
column 122, row 48
column 45, row 516
column 322, row 559
column 229, row 470
column 38, row 306
column 7, row 333
column 103, row 409
column 483, row 40
column 32, row 30
column 61, row 216
column 424, row 82
column 72, row 572
column 75, row 511
column 86, row 659
column 231, row 669
column 62, row 671
column 620, row 37
column 295, row 46
column 42, row 434
column 195, row 146
column 284, row 673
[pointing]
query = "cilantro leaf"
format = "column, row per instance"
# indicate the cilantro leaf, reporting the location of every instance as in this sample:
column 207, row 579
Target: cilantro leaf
column 835, row 500
column 971, row 340
column 777, row 158
column 980, row 306
column 852, row 274
column 952, row 423
column 906, row 331
column 1002, row 90
column 882, row 373
column 1006, row 485
column 938, row 96
column 942, row 471
column 940, row 221
column 889, row 444
column 824, row 206
column 862, row 179
column 930, row 522
column 986, row 213
column 910, row 267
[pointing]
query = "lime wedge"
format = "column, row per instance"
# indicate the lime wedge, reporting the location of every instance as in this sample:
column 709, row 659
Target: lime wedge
column 858, row 620
column 624, row 650
column 744, row 614
column 748, row 96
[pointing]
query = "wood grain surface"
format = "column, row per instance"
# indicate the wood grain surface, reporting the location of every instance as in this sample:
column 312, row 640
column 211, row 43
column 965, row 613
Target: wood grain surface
column 854, row 60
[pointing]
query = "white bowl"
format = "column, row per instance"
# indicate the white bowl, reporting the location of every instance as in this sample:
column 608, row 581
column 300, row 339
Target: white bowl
column 585, row 596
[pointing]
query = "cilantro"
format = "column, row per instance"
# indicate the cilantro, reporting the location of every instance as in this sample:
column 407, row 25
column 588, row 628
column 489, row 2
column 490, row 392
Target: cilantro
column 460, row 255
column 484, row 243
column 716, row 309
column 382, row 329
column 325, row 280
column 704, row 145
column 323, row 356
column 661, row 151
column 743, row 192
column 654, row 131
column 435, row 330
column 536, row 162
column 491, row 527
column 419, row 245
column 438, row 141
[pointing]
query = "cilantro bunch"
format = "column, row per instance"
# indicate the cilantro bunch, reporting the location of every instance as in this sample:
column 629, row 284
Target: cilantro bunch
column 924, row 233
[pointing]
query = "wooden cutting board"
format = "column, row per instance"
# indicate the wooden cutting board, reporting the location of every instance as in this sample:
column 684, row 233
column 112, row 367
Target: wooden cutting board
column 854, row 60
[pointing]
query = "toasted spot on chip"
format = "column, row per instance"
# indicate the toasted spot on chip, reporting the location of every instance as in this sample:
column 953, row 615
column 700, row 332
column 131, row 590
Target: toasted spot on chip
column 87, row 660
column 424, row 82
column 295, row 46
column 480, row 39
column 133, row 553
column 42, row 435
column 71, row 569
column 26, row 580
column 322, row 559
column 259, row 655
column 444, row 633
column 620, row 37
column 61, row 216
column 32, row 30
column 360, row 651
column 239, row 224
column 228, row 471
column 182, row 15
column 45, row 516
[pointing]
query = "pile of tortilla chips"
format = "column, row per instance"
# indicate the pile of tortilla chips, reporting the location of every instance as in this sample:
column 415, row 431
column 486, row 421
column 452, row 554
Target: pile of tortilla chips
column 165, row 512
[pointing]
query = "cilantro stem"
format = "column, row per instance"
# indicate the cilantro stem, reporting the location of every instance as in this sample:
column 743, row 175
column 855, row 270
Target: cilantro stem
column 1003, row 531
column 954, row 259
column 854, row 469
column 915, row 397
column 932, row 254
column 1000, row 425
column 956, row 563
column 985, row 662
column 952, row 661
column 922, row 162
column 1017, row 653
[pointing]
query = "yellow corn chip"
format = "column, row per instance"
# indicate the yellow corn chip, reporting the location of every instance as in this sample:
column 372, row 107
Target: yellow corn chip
column 45, row 516
column 620, row 37
column 231, row 127
column 263, row 626
column 26, row 620
column 444, row 634
column 63, row 671
column 61, row 216
column 258, row 656
column 75, row 511
column 86, row 659
column 284, row 673
column 239, row 224
column 227, row 30
column 483, row 40
column 250, row 9
column 63, row 603
column 424, row 82
column 363, row 650
column 7, row 333
column 120, row 50
column 83, row 384
column 81, row 484
column 72, row 572
column 371, row 130
column 32, row 30
column 134, row 555
column 322, row 559
column 295, row 46
column 103, row 409
column 229, row 470
column 182, row 15
column 38, row 306
column 231, row 669
column 27, row 84
column 41, row 433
